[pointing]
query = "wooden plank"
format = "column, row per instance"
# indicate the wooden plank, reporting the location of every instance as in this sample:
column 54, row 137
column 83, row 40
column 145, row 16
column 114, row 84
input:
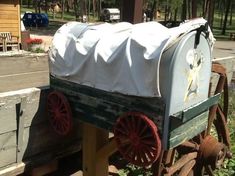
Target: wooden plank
column 229, row 64
column 11, row 25
column 13, row 170
column 7, row 148
column 6, row 17
column 35, row 161
column 8, row 8
column 41, row 138
column 188, row 130
column 93, row 139
column 35, row 108
column 8, row 21
column 19, row 22
column 12, row 30
column 45, row 169
column 8, row 116
column 102, row 108
column 107, row 150
column 9, row 12
column 20, row 129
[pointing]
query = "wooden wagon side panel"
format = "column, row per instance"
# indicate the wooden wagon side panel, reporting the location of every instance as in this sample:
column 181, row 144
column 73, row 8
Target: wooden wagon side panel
column 102, row 108
column 8, row 148
column 8, row 116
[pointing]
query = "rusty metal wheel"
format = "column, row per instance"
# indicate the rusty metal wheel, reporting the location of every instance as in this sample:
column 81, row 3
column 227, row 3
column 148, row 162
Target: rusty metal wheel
column 206, row 152
column 137, row 138
column 59, row 113
column 215, row 141
column 178, row 161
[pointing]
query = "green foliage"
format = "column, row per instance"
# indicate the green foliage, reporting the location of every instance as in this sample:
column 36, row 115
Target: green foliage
column 132, row 170
column 37, row 50
column 176, row 4
column 228, row 168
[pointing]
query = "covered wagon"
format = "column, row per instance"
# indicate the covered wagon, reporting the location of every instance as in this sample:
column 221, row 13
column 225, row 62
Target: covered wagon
column 146, row 83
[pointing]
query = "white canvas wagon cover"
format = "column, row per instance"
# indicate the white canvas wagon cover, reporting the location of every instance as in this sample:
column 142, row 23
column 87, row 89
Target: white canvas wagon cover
column 120, row 57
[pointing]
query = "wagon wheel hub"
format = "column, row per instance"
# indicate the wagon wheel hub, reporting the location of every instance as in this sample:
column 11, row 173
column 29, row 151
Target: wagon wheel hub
column 134, row 138
column 212, row 152
column 57, row 114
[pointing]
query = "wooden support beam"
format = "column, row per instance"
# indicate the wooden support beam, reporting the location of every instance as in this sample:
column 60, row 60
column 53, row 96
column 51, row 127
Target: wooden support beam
column 93, row 140
column 107, row 149
column 132, row 11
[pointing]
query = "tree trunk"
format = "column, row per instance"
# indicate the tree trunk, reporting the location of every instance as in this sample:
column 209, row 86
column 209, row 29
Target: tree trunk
column 28, row 3
column 184, row 10
column 203, row 6
column 99, row 8
column 189, row 9
column 226, row 16
column 76, row 10
column 153, row 10
column 205, row 9
column 62, row 9
column 35, row 5
column 67, row 6
column 211, row 13
column 39, row 6
column 94, row 8
column 46, row 7
column 231, row 15
column 194, row 8
column 175, row 15
column 89, row 10
column 222, row 17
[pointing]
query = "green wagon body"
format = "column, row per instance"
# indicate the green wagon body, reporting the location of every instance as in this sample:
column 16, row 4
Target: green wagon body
column 102, row 109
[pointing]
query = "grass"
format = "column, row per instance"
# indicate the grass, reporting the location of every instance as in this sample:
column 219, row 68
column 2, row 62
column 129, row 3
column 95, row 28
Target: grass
column 217, row 29
column 228, row 169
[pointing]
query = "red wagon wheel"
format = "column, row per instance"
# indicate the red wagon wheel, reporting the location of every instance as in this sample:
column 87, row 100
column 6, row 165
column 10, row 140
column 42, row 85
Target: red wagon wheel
column 59, row 113
column 137, row 138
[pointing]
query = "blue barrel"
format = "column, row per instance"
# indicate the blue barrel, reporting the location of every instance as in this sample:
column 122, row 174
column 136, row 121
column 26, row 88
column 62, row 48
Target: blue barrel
column 35, row 20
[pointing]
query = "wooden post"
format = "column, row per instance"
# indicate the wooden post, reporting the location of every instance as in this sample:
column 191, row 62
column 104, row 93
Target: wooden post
column 132, row 11
column 93, row 140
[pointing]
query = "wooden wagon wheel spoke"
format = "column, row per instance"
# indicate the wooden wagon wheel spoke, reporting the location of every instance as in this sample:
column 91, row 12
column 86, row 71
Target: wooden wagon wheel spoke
column 144, row 144
column 187, row 168
column 59, row 113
